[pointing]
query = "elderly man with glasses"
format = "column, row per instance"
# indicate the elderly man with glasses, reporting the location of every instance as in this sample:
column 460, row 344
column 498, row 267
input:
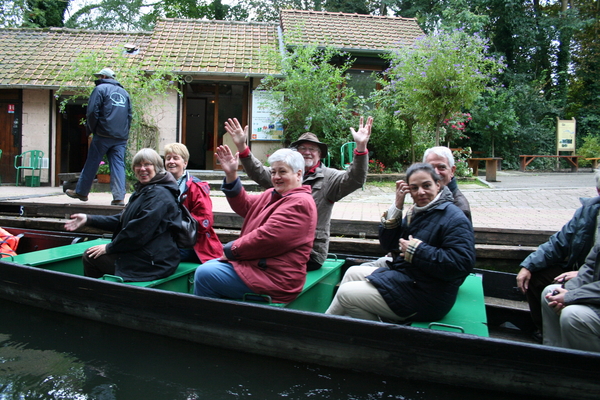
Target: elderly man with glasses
column 328, row 184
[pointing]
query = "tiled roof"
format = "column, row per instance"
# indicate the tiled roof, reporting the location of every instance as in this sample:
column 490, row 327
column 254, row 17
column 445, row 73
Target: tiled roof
column 347, row 31
column 35, row 57
column 199, row 46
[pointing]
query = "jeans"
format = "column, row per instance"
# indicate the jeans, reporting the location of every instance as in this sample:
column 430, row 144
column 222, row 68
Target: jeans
column 115, row 152
column 218, row 279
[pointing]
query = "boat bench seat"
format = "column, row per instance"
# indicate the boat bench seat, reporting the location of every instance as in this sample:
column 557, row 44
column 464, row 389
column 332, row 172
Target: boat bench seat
column 68, row 259
column 317, row 292
column 182, row 280
column 468, row 313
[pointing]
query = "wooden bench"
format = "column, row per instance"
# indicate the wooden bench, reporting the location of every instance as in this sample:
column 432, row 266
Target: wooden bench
column 491, row 166
column 594, row 161
column 573, row 160
column 468, row 313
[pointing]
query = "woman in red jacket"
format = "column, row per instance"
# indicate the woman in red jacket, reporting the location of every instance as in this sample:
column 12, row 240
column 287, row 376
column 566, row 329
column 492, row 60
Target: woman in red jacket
column 195, row 195
column 270, row 256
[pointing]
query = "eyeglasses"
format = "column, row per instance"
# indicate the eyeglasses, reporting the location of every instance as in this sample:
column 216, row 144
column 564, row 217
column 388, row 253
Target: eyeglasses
column 145, row 165
column 309, row 148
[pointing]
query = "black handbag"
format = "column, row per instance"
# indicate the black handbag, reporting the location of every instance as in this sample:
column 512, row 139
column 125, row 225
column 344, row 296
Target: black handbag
column 187, row 234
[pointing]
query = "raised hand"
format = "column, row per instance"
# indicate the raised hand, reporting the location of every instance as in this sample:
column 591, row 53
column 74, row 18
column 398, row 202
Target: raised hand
column 402, row 189
column 238, row 134
column 229, row 162
column 361, row 137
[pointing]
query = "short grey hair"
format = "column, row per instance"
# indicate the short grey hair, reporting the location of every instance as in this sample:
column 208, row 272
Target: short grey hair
column 151, row 156
column 290, row 157
column 441, row 151
column 597, row 176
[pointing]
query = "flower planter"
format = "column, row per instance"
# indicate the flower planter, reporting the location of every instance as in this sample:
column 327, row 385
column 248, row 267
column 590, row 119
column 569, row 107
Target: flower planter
column 103, row 178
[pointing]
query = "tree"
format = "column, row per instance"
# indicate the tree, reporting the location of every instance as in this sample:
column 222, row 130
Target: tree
column 135, row 15
column 128, row 15
column 146, row 90
column 33, row 13
column 315, row 96
column 495, row 117
column 584, row 90
column 438, row 75
column 347, row 6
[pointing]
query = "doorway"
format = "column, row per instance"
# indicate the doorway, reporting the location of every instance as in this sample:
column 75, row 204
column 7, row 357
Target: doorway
column 207, row 106
column 10, row 132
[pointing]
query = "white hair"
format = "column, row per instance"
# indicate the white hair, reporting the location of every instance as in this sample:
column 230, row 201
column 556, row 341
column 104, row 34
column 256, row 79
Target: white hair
column 441, row 151
column 290, row 157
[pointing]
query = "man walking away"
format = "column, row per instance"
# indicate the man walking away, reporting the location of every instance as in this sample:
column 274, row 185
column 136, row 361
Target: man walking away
column 108, row 119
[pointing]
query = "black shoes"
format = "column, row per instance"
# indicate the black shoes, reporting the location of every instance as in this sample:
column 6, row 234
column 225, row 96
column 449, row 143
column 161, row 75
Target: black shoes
column 117, row 203
column 73, row 194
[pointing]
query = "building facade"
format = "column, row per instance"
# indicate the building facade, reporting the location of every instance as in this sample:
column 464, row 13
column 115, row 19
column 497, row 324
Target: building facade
column 219, row 61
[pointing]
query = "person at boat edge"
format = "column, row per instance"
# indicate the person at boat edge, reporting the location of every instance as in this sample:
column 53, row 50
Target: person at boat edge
column 433, row 250
column 142, row 247
column 270, row 255
column 559, row 259
column 442, row 160
column 329, row 185
column 571, row 310
column 196, row 198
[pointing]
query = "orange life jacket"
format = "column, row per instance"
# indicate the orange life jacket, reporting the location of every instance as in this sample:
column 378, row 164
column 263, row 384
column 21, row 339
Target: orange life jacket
column 8, row 243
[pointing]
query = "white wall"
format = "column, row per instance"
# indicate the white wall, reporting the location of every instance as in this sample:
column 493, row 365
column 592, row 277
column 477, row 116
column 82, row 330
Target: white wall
column 36, row 124
column 166, row 119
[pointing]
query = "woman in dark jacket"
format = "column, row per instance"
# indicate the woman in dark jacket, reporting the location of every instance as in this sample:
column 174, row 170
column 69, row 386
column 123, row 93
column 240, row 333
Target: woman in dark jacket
column 433, row 251
column 142, row 247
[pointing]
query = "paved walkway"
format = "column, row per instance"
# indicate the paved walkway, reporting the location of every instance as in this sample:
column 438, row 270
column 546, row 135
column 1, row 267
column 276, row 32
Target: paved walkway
column 518, row 201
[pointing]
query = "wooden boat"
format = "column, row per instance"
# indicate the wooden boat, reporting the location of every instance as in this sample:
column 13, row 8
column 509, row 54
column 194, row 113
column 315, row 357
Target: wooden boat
column 52, row 282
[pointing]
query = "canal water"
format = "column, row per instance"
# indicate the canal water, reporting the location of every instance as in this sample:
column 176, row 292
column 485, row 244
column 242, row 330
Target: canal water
column 45, row 355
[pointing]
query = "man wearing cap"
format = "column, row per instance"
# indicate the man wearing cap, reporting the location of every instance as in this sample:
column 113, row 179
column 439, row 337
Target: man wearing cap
column 108, row 119
column 328, row 184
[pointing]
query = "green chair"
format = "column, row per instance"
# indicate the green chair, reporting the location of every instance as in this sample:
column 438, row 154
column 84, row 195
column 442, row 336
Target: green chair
column 347, row 151
column 327, row 160
column 32, row 160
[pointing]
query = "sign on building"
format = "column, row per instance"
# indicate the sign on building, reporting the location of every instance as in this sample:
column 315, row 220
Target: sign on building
column 565, row 135
column 266, row 116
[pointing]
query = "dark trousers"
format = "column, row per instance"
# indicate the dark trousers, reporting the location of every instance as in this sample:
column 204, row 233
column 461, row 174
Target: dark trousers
column 97, row 267
column 313, row 265
column 539, row 280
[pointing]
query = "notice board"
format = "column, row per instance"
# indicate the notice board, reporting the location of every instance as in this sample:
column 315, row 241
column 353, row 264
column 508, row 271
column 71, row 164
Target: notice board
column 266, row 115
column 565, row 135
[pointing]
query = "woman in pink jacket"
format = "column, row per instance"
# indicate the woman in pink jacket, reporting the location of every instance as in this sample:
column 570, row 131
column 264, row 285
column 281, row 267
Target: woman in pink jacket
column 269, row 257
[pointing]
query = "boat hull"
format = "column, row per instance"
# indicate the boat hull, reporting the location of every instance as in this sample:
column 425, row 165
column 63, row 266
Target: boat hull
column 388, row 349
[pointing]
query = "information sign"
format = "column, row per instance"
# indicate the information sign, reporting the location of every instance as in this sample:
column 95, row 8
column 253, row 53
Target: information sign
column 565, row 135
column 266, row 117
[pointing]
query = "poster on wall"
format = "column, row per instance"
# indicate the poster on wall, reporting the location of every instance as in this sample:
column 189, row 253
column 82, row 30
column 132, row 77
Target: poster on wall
column 266, row 119
column 565, row 135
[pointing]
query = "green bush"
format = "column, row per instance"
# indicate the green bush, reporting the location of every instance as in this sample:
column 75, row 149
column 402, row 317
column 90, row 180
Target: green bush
column 590, row 148
column 460, row 161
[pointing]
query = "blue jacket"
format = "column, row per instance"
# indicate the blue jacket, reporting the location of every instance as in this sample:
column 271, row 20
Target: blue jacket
column 425, row 288
column 109, row 110
column 571, row 245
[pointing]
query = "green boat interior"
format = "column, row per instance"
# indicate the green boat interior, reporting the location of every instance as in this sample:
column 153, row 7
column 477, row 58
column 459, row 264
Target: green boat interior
column 467, row 315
